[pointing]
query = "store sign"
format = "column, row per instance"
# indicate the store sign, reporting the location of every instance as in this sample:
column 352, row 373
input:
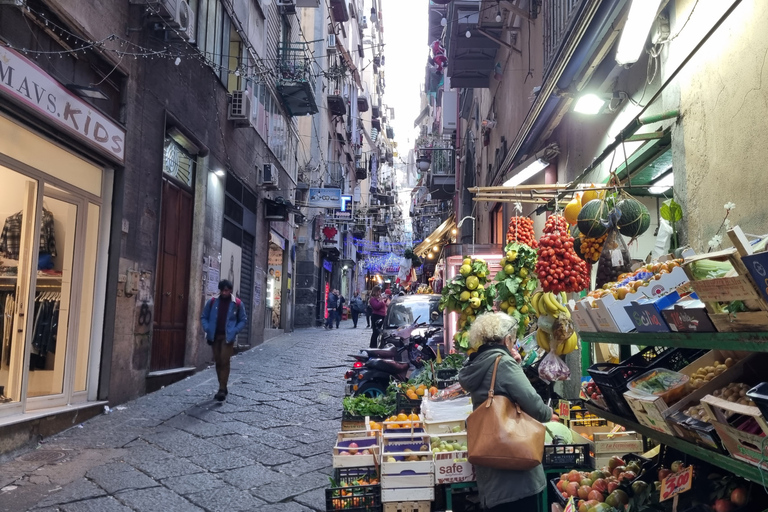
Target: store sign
column 325, row 198
column 677, row 484
column 25, row 83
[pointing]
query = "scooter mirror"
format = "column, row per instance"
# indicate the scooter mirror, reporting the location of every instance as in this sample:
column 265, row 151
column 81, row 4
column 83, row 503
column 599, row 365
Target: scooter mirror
column 434, row 316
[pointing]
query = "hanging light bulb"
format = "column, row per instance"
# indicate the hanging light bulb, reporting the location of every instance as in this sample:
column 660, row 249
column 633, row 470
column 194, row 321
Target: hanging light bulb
column 177, row 61
column 443, row 22
column 468, row 34
column 237, row 72
column 498, row 17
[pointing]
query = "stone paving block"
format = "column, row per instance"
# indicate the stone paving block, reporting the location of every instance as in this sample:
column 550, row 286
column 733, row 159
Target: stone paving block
column 154, row 500
column 269, row 456
column 222, row 461
column 276, row 441
column 182, row 443
column 190, row 484
column 303, row 466
column 119, row 476
column 78, row 490
column 141, row 450
column 277, row 493
column 290, row 506
column 308, row 450
column 105, row 504
column 231, row 441
column 251, row 476
column 227, row 499
column 159, row 469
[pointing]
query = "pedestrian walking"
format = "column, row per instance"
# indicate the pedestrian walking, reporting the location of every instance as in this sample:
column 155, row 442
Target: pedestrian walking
column 340, row 309
column 356, row 307
column 222, row 319
column 332, row 305
column 493, row 335
column 368, row 313
column 378, row 312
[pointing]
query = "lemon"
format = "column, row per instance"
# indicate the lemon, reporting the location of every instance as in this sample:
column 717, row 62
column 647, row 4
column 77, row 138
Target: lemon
column 511, row 310
column 523, row 272
column 511, row 255
column 524, row 310
column 464, row 297
column 509, row 269
column 465, row 270
column 526, row 321
column 475, row 301
column 471, row 318
column 472, row 282
column 481, row 274
column 504, row 305
column 474, row 294
column 467, row 261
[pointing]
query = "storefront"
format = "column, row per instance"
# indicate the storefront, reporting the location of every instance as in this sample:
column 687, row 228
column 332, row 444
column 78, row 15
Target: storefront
column 55, row 206
column 275, row 273
column 325, row 289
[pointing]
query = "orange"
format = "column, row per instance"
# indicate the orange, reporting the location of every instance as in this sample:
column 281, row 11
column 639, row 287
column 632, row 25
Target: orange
column 420, row 391
column 433, row 390
column 413, row 416
column 402, row 417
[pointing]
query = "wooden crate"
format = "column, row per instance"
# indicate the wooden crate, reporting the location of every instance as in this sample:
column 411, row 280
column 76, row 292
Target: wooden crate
column 408, row 506
column 739, row 286
column 408, row 494
column 365, row 441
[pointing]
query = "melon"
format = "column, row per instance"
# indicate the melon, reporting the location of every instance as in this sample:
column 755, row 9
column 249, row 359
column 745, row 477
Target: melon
column 591, row 217
column 577, row 240
column 557, row 430
column 635, row 217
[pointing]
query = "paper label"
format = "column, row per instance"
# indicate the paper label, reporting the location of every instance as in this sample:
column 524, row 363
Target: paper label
column 677, row 484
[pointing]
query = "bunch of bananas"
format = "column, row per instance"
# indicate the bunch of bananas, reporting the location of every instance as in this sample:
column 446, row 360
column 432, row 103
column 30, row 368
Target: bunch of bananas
column 555, row 330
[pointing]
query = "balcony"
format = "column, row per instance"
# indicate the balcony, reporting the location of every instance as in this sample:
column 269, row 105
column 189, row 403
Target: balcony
column 336, row 174
column 294, row 81
column 471, row 59
column 558, row 15
column 441, row 178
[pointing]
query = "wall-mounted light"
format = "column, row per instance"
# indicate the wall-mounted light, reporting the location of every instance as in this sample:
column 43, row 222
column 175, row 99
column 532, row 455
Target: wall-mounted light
column 528, row 170
column 443, row 22
column 635, row 32
column 498, row 16
column 589, row 104
column 220, row 173
column 468, row 34
column 87, row 92
column 423, row 164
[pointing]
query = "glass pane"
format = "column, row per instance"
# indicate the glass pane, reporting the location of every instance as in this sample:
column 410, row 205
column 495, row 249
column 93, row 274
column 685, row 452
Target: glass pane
column 17, row 208
column 86, row 299
column 48, row 338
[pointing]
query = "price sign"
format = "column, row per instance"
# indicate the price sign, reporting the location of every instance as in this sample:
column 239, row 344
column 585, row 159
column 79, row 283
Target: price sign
column 565, row 409
column 677, row 484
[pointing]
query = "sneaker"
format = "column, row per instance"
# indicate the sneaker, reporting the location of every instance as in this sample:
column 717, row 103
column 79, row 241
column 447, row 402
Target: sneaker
column 220, row 395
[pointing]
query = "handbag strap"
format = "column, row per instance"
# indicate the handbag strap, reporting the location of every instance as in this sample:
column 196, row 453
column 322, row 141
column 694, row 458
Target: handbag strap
column 493, row 386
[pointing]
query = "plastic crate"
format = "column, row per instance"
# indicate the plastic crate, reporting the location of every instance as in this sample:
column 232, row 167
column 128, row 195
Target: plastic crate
column 354, row 497
column 406, row 405
column 349, row 475
column 612, row 378
column 408, row 506
column 560, row 499
column 447, row 374
column 574, row 456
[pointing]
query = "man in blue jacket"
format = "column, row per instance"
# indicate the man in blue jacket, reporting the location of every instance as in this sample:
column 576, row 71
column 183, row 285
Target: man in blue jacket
column 222, row 319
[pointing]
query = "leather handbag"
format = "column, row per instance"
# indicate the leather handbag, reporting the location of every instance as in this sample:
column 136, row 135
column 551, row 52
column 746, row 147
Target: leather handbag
column 501, row 436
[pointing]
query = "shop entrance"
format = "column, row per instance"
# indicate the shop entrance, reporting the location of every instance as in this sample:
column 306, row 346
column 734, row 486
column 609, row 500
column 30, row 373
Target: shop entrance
column 274, row 287
column 172, row 282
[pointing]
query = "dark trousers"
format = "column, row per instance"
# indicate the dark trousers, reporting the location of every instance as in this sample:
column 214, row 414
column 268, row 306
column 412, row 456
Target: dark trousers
column 329, row 320
column 526, row 504
column 338, row 317
column 355, row 314
column 376, row 322
column 367, row 319
column 222, row 353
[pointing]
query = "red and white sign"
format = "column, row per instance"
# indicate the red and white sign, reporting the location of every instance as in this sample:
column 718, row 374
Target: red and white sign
column 677, row 484
column 453, row 468
column 27, row 84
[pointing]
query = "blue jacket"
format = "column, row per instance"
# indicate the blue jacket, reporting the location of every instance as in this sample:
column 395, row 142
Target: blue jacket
column 333, row 301
column 235, row 319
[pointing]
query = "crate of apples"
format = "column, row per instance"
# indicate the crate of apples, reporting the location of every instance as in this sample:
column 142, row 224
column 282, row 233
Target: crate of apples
column 602, row 490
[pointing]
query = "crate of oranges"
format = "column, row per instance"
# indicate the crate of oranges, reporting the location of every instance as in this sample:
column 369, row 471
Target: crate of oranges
column 400, row 424
column 410, row 396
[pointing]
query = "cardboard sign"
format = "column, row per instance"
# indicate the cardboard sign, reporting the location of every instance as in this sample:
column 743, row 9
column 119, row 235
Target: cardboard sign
column 453, row 467
column 677, row 484
column 564, row 410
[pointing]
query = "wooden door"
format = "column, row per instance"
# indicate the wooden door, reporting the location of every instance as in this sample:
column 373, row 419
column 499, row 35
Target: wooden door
column 172, row 282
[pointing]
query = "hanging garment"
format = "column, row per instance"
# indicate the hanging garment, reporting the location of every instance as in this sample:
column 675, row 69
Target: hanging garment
column 44, row 331
column 10, row 238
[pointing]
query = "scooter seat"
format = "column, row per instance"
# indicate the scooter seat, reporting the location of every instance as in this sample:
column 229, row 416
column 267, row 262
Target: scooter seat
column 388, row 365
column 382, row 353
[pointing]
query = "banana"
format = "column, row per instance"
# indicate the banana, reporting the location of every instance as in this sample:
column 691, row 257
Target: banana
column 535, row 302
column 559, row 306
column 542, row 338
column 563, row 298
column 550, row 304
column 570, row 344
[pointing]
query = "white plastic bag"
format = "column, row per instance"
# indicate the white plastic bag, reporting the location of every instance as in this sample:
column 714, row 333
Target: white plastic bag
column 446, row 410
column 552, row 368
column 663, row 240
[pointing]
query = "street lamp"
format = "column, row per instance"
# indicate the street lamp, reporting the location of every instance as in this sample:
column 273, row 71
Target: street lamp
column 423, row 164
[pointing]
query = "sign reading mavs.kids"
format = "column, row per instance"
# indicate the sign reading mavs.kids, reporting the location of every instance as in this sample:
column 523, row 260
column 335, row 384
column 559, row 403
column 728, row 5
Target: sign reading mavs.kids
column 325, row 198
column 27, row 84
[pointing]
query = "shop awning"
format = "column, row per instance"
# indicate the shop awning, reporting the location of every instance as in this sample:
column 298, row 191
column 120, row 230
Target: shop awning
column 436, row 236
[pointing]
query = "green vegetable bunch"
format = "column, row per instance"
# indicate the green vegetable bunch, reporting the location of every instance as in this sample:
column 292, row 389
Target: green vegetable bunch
column 383, row 405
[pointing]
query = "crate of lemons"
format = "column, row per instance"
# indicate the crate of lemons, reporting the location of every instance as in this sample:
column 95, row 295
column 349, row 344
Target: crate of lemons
column 467, row 295
column 515, row 283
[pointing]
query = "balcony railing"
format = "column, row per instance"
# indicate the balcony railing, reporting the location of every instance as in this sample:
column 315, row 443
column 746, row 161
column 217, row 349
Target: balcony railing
column 336, row 174
column 294, row 80
column 558, row 16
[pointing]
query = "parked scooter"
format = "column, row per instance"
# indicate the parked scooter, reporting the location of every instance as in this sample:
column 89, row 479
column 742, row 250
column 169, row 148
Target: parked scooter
column 372, row 377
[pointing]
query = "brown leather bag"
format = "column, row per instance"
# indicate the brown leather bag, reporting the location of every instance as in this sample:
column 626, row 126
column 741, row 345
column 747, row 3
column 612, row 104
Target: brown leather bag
column 501, row 436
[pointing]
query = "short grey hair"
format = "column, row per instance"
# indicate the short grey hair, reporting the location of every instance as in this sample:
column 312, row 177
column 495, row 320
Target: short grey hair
column 491, row 328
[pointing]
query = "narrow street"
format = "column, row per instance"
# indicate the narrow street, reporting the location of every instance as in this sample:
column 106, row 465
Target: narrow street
column 266, row 448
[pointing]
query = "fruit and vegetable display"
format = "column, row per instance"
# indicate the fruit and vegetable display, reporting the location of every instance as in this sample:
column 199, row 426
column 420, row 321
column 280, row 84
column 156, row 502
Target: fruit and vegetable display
column 448, row 444
column 630, row 282
column 591, row 391
column 589, row 248
column 709, row 372
column 353, row 493
column 408, row 451
column 660, row 382
column 401, row 420
column 604, row 489
column 555, row 328
column 466, row 295
column 614, row 260
column 416, row 391
column 514, row 284
column 559, row 268
column 735, row 392
column 521, row 230
column 361, row 405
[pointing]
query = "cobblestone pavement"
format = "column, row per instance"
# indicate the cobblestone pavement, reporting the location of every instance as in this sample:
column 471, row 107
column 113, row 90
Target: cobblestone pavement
column 266, row 448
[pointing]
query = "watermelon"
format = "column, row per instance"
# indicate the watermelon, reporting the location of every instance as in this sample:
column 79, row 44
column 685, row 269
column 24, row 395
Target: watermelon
column 591, row 217
column 635, row 217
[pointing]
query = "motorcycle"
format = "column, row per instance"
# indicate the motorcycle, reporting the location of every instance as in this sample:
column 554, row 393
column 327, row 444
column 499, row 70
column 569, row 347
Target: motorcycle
column 371, row 378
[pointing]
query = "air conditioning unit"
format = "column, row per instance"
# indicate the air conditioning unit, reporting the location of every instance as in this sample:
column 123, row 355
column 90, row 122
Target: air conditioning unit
column 185, row 20
column 331, row 46
column 268, row 177
column 240, row 109
column 364, row 22
column 167, row 9
column 16, row 3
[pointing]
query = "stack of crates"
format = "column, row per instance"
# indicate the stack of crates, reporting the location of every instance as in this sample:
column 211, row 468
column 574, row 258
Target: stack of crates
column 407, row 472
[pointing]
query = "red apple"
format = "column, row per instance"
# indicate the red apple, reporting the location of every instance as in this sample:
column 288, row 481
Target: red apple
column 615, row 462
column 597, row 496
column 584, row 491
column 612, row 486
column 723, row 506
column 664, row 473
column 600, row 486
column 572, row 489
column 353, row 448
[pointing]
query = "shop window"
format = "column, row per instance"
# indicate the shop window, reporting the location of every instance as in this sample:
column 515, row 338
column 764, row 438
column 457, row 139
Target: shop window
column 498, row 232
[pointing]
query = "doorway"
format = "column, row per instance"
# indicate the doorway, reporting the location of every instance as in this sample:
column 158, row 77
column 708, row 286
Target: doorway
column 172, row 282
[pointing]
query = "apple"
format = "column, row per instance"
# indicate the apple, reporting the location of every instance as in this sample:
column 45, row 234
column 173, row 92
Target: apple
column 723, row 505
column 676, row 466
column 572, row 489
column 343, row 453
column 365, row 452
column 353, row 448
column 584, row 491
column 664, row 473
column 597, row 496
column 739, row 497
column 614, row 462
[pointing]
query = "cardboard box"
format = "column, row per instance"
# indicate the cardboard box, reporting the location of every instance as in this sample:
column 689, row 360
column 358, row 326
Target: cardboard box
column 688, row 316
column 741, row 445
column 696, row 431
column 581, row 315
column 453, row 467
column 618, row 444
column 646, row 314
